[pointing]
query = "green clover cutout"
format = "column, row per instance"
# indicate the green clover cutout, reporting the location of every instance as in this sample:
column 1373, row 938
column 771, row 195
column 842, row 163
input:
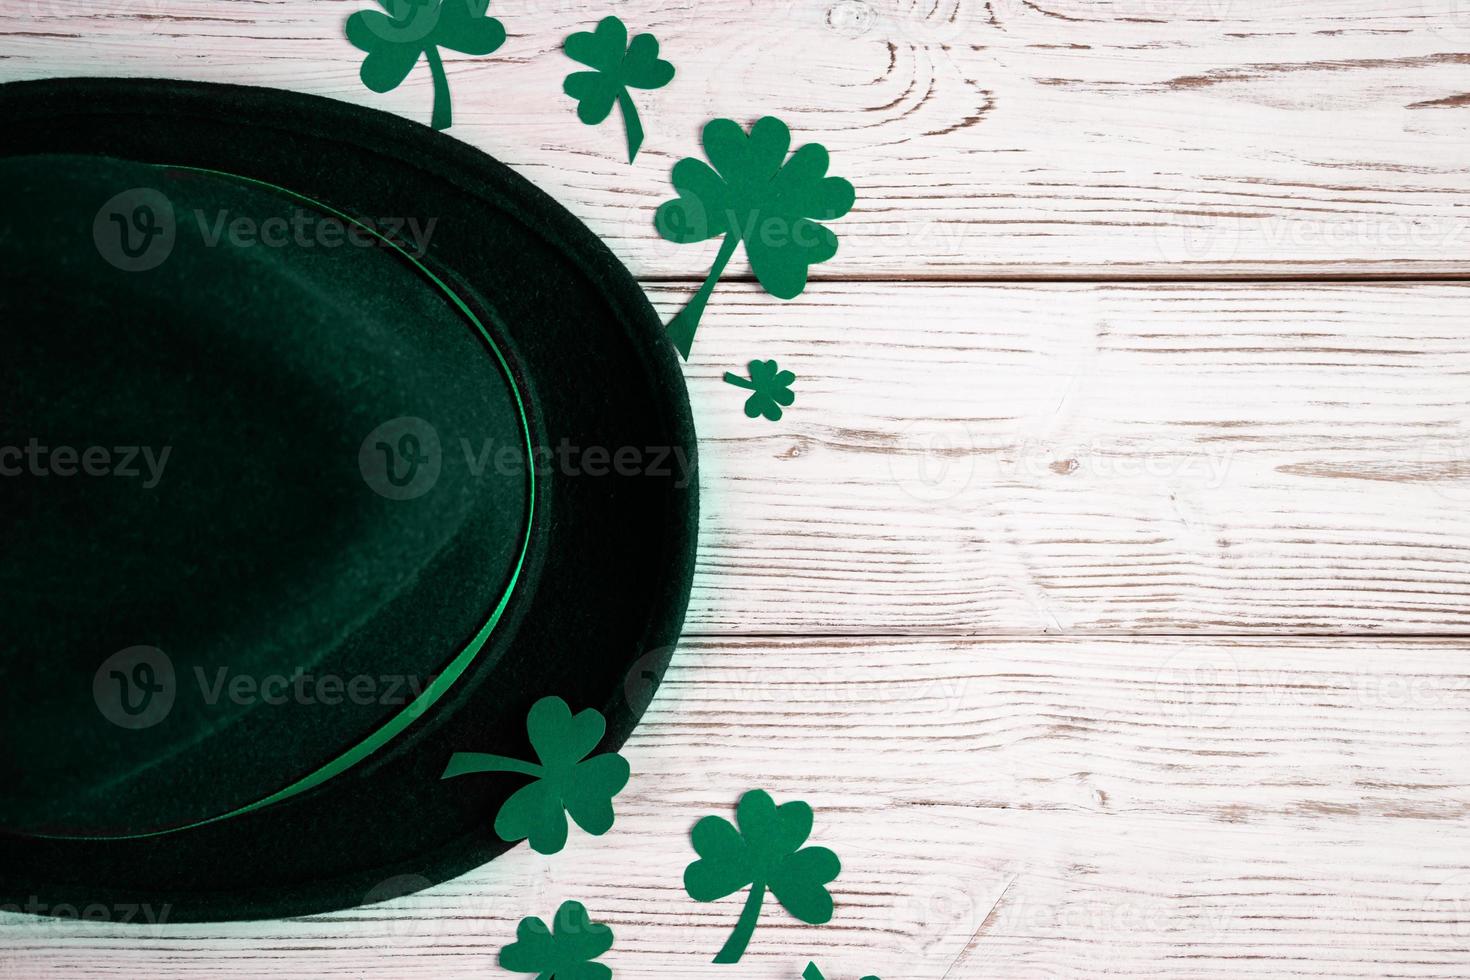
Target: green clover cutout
column 394, row 40
column 618, row 66
column 771, row 387
column 567, row 780
column 566, row 954
column 753, row 194
column 764, row 854
column 812, row 973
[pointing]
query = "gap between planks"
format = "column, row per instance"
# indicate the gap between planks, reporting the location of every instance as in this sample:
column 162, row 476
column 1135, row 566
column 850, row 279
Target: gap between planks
column 1026, row 636
column 1100, row 278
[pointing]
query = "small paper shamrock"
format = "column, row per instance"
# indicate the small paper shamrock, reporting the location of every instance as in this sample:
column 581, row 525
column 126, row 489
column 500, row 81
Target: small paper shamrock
column 567, row 781
column 772, row 389
column 765, row 853
column 618, row 65
column 812, row 973
column 753, row 194
column 394, row 40
column 566, row 954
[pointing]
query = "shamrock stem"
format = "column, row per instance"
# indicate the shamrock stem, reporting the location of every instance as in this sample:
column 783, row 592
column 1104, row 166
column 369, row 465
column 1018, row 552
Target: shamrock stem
column 739, row 382
column 682, row 327
column 745, row 928
column 630, row 119
column 466, row 763
column 443, row 114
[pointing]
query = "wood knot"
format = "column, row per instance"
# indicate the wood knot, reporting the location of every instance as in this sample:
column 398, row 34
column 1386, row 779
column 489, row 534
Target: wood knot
column 850, row 17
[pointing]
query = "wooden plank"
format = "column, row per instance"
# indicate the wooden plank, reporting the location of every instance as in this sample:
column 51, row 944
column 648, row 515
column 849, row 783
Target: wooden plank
column 1152, row 808
column 1070, row 458
column 1015, row 138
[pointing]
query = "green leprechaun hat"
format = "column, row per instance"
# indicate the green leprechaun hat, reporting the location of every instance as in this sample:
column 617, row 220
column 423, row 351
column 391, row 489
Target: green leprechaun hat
column 329, row 447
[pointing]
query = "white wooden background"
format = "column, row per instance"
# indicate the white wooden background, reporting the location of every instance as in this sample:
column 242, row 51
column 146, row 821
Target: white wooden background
column 1107, row 588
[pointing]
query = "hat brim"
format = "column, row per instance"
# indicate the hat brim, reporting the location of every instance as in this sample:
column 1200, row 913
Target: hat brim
column 609, row 564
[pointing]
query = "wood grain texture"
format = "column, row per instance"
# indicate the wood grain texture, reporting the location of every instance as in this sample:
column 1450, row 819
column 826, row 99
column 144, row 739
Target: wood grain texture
column 1074, row 138
column 1004, row 460
column 1143, row 808
column 1072, row 458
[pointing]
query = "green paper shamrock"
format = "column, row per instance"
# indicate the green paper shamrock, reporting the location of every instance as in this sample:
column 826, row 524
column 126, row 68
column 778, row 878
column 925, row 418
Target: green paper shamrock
column 765, row 853
column 394, row 40
column 567, row 954
column 812, row 973
column 567, row 781
column 618, row 65
column 753, row 194
column 772, row 389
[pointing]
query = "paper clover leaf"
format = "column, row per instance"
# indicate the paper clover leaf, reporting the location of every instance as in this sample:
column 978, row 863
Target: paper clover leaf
column 765, row 853
column 754, row 194
column 617, row 66
column 771, row 387
column 812, row 973
column 567, row 953
column 569, row 779
column 394, row 41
